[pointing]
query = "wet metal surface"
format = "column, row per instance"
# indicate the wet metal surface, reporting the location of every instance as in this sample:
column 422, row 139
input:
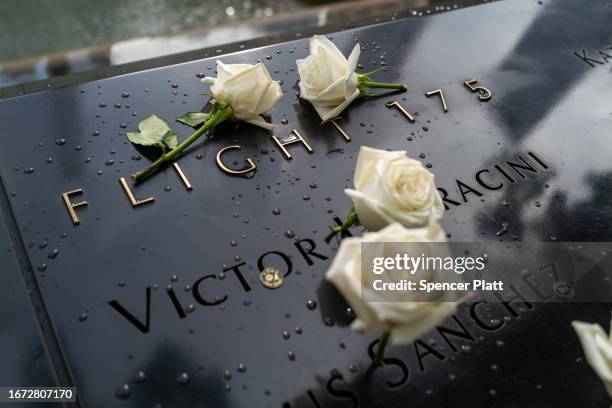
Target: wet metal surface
column 152, row 297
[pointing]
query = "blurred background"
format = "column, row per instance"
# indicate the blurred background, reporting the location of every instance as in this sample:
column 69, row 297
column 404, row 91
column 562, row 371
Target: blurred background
column 48, row 38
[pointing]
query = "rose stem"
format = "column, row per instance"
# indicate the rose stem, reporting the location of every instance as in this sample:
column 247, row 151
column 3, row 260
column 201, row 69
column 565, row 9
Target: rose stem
column 213, row 120
column 352, row 220
column 382, row 344
column 372, row 84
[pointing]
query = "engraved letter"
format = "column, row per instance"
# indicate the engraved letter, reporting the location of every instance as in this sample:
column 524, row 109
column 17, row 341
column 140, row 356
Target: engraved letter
column 179, row 171
column 294, row 137
column 339, row 128
column 399, row 106
column 71, row 206
column 133, row 200
column 438, row 92
column 251, row 166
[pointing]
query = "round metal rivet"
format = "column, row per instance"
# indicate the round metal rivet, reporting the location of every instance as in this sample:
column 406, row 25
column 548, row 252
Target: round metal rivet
column 271, row 277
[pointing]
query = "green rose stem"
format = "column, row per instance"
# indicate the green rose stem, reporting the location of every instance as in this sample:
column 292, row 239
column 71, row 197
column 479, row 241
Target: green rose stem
column 365, row 82
column 380, row 350
column 220, row 112
column 372, row 84
column 352, row 220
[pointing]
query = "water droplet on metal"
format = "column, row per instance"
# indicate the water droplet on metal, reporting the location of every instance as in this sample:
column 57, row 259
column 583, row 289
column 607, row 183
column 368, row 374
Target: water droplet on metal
column 183, row 378
column 140, row 377
column 124, row 392
column 53, row 254
column 311, row 304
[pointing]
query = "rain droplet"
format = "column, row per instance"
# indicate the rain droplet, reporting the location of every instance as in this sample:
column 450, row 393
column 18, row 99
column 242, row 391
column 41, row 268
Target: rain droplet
column 124, row 392
column 241, row 368
column 53, row 254
column 125, row 95
column 291, row 355
column 183, row 378
column 290, row 234
column 83, row 317
column 311, row 304
column 29, row 170
column 140, row 377
column 275, row 211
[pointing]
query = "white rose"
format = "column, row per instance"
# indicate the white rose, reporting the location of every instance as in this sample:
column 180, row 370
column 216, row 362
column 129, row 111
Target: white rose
column 391, row 187
column 248, row 89
column 406, row 319
column 597, row 348
column 327, row 79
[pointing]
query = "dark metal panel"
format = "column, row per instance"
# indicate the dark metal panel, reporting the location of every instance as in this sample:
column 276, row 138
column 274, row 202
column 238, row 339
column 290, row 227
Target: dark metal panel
column 24, row 357
column 546, row 101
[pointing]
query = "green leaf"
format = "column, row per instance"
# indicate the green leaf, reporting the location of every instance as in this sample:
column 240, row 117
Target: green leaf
column 193, row 119
column 143, row 140
column 170, row 139
column 153, row 131
column 154, row 127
